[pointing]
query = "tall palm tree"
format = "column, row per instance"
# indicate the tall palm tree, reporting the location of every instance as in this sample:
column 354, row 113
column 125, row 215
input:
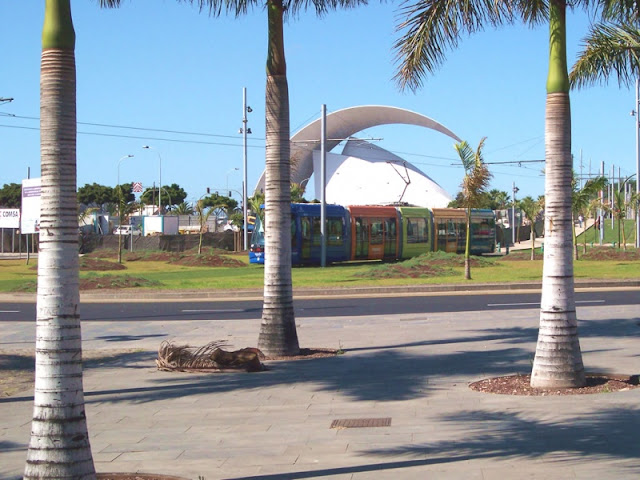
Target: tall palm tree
column 433, row 26
column 278, row 335
column 474, row 185
column 59, row 444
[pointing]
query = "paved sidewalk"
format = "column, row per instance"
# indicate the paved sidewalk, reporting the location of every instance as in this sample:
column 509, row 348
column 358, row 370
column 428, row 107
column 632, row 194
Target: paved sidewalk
column 412, row 369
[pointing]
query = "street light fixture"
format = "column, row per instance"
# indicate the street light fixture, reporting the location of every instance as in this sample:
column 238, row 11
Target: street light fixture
column 119, row 162
column 159, row 179
column 235, row 169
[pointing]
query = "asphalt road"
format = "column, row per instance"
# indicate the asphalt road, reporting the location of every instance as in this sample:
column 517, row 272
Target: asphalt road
column 318, row 307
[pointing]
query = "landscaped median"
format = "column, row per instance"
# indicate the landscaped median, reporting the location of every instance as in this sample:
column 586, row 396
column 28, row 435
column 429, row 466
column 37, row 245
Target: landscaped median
column 222, row 270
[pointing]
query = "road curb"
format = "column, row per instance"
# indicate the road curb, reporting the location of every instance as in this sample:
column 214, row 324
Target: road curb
column 173, row 295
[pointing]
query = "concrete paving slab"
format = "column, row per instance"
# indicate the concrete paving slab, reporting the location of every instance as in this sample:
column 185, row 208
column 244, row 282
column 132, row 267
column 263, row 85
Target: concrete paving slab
column 275, row 424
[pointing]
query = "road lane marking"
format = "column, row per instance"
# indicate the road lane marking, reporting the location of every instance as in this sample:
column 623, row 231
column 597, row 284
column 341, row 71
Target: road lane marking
column 535, row 303
column 227, row 310
column 9, row 311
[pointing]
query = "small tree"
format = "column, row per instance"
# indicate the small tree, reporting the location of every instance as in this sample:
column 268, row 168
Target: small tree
column 580, row 201
column 297, row 193
column 204, row 211
column 255, row 203
column 592, row 211
column 474, row 185
column 124, row 209
column 184, row 208
column 530, row 208
column 619, row 210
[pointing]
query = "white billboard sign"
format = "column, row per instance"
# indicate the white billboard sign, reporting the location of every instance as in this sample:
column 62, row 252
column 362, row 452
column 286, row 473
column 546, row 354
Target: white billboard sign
column 9, row 218
column 30, row 219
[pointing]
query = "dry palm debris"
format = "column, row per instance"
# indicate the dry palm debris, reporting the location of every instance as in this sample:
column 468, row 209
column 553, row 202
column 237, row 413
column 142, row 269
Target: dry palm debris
column 211, row 357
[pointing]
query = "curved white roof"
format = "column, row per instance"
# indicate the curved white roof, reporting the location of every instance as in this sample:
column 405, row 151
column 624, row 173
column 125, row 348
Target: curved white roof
column 368, row 175
column 342, row 124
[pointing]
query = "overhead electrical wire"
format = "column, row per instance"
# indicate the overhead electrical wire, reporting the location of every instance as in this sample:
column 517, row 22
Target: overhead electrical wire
column 202, row 134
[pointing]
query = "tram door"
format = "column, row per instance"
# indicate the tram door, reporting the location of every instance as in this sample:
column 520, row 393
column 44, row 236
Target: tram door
column 390, row 238
column 362, row 238
column 452, row 236
column 305, row 237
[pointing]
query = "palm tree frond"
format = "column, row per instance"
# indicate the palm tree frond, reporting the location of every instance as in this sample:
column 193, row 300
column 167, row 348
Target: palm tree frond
column 321, row 7
column 466, row 154
column 431, row 27
column 608, row 50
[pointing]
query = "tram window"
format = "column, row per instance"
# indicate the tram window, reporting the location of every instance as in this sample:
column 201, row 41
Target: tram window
column 305, row 227
column 315, row 232
column 334, row 227
column 417, row 230
column 376, row 232
column 451, row 228
column 390, row 227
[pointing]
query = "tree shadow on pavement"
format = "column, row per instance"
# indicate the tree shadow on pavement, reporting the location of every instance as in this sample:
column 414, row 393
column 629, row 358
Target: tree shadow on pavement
column 384, row 376
column 500, row 436
column 611, row 433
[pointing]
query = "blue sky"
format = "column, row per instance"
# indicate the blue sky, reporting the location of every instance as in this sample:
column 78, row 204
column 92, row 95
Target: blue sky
column 162, row 65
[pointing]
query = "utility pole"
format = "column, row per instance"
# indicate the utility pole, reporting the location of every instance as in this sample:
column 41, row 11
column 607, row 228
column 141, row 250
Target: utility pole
column 601, row 209
column 513, row 214
column 637, row 159
column 323, row 184
column 245, row 130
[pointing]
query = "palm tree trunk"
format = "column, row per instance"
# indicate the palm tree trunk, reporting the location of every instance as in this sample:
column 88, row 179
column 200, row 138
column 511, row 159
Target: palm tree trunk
column 120, row 247
column 533, row 240
column 558, row 359
column 574, row 237
column 59, row 444
column 278, row 335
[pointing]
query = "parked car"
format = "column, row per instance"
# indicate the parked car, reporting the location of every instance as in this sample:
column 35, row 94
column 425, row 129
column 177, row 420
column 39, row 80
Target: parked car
column 127, row 230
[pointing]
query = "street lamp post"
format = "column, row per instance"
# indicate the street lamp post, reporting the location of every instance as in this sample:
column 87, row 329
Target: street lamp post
column 513, row 214
column 159, row 179
column 118, row 187
column 119, row 162
column 120, row 201
column 637, row 160
column 245, row 130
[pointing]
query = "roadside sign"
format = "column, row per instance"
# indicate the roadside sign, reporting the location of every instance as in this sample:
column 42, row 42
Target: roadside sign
column 9, row 218
column 30, row 218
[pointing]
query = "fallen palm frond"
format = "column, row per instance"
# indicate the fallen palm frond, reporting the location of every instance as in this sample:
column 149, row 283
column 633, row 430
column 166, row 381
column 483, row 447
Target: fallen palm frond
column 211, row 357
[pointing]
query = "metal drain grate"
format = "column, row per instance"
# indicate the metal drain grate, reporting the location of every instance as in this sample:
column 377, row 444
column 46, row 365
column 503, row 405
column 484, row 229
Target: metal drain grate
column 361, row 422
